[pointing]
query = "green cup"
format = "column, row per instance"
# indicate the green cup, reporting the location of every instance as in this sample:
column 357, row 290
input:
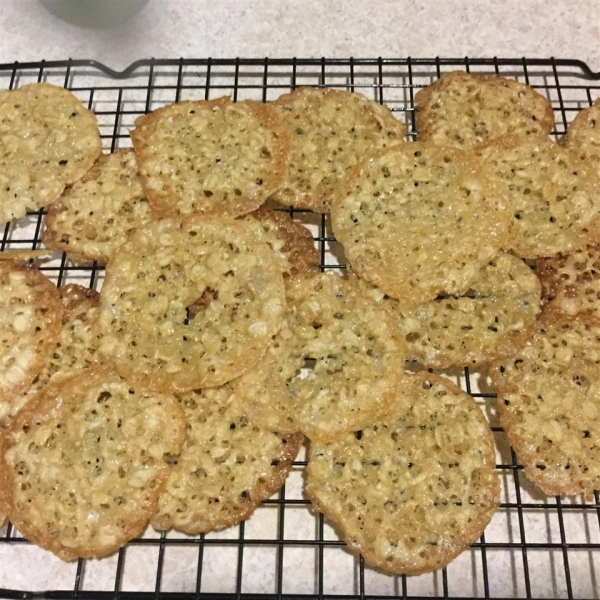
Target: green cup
column 94, row 13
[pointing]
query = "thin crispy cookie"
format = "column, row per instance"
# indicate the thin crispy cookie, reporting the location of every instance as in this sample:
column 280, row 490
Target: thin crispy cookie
column 291, row 242
column 465, row 110
column 47, row 140
column 549, row 404
column 491, row 321
column 419, row 220
column 414, row 491
column 87, row 463
column 24, row 254
column 331, row 131
column 571, row 282
column 583, row 136
column 190, row 304
column 335, row 365
column 212, row 157
column 554, row 197
column 75, row 349
column 30, row 320
column 5, row 495
column 95, row 216
column 226, row 468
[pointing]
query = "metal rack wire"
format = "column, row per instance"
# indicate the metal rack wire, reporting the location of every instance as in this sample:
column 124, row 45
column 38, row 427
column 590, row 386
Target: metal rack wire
column 535, row 547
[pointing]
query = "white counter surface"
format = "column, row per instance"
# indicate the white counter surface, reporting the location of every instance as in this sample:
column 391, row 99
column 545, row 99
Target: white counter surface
column 311, row 28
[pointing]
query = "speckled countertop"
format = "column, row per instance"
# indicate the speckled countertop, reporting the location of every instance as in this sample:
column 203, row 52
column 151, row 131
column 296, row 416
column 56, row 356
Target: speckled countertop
column 309, row 28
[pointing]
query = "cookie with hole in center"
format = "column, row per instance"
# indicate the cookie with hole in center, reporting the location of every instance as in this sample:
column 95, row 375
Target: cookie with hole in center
column 555, row 197
column 331, row 131
column 549, row 404
column 414, row 490
column 334, row 366
column 420, row 220
column 465, row 110
column 190, row 303
column 48, row 140
column 583, row 136
column 76, row 346
column 226, row 468
column 30, row 319
column 491, row 321
column 211, row 157
column 95, row 216
column 87, row 461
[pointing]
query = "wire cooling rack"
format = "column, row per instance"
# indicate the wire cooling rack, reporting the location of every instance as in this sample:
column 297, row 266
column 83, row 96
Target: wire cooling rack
column 535, row 546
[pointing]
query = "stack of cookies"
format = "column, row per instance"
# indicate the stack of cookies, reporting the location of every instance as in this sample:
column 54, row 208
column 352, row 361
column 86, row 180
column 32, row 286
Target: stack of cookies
column 180, row 395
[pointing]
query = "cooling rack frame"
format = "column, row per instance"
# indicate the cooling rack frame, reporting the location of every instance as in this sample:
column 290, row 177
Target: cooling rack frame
column 147, row 84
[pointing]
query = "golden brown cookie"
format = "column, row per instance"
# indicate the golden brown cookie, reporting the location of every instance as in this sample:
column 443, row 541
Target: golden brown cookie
column 76, row 346
column 226, row 468
column 331, row 131
column 491, row 321
column 5, row 496
column 571, row 282
column 290, row 241
column 465, row 110
column 419, row 220
column 555, row 199
column 413, row 491
column 87, row 461
column 95, row 216
column 190, row 304
column 549, row 404
column 48, row 140
column 335, row 365
column 24, row 255
column 212, row 157
column 30, row 319
column 583, row 136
